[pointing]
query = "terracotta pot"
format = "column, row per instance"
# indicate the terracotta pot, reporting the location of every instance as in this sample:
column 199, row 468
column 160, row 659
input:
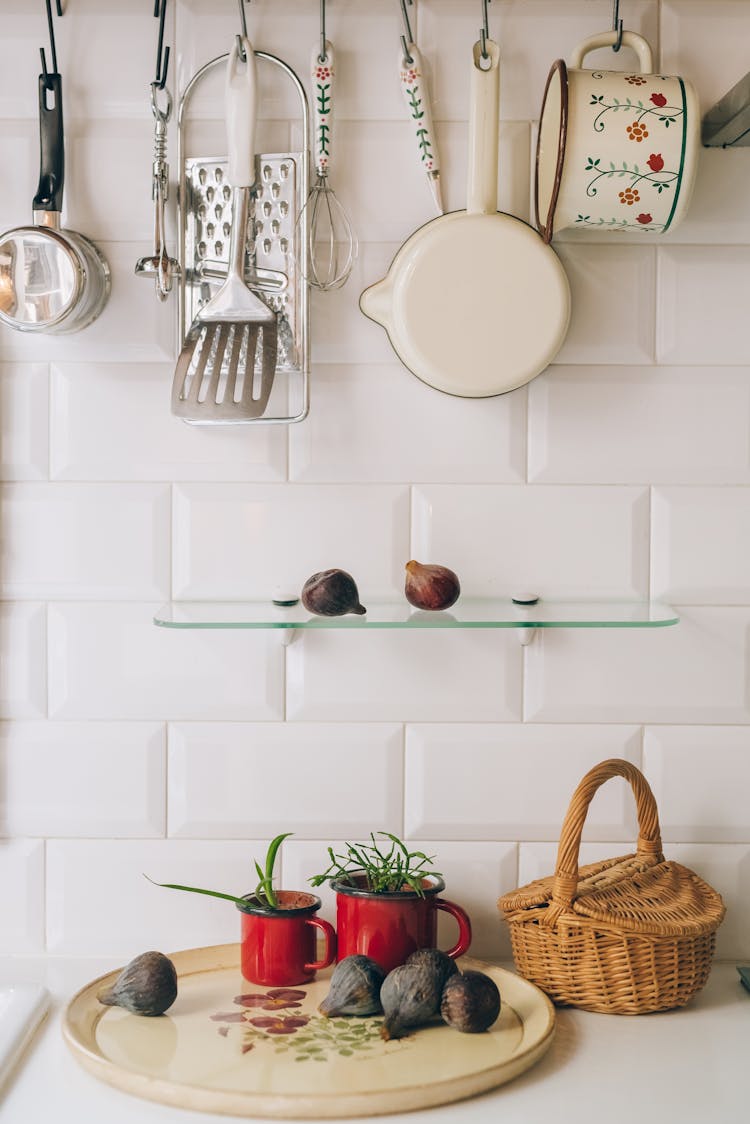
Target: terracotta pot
column 278, row 946
column 616, row 150
column 388, row 927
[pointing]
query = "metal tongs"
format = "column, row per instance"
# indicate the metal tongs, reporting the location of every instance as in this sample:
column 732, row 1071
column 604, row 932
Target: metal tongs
column 159, row 265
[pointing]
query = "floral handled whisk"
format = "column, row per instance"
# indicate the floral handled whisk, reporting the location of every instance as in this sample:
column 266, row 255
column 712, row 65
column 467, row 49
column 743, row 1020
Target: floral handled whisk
column 331, row 248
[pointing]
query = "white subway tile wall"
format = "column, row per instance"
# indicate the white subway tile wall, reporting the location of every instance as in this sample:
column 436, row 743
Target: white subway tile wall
column 623, row 471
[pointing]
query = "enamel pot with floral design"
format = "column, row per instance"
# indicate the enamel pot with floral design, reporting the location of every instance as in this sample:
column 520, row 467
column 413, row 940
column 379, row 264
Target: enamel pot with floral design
column 616, row 150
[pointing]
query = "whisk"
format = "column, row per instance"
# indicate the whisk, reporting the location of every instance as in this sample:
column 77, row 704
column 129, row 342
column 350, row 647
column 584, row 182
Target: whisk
column 331, row 248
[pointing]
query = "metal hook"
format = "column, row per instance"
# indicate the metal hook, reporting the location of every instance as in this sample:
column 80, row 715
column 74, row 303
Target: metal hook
column 408, row 38
column 53, row 51
column 162, row 60
column 616, row 24
column 322, row 55
column 484, row 31
column 243, row 22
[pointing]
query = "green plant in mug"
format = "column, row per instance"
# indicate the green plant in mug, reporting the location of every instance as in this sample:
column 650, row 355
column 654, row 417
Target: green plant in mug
column 264, row 891
column 385, row 869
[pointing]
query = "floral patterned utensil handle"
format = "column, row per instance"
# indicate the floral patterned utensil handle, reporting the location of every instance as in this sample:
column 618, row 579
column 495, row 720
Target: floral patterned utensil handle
column 417, row 98
column 322, row 84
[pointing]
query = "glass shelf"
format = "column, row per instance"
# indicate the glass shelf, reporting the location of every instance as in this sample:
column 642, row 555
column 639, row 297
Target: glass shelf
column 479, row 612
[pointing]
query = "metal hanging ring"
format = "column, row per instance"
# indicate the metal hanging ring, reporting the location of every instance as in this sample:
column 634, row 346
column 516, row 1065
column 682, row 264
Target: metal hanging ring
column 616, row 24
column 160, row 114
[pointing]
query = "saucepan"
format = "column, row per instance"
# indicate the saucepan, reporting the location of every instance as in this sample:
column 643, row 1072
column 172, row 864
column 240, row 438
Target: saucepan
column 51, row 280
column 616, row 150
column 475, row 303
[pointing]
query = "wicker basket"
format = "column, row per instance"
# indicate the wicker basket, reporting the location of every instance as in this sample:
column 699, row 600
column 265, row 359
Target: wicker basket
column 624, row 936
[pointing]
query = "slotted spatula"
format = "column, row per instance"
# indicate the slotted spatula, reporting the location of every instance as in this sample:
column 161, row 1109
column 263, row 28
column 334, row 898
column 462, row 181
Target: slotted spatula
column 216, row 380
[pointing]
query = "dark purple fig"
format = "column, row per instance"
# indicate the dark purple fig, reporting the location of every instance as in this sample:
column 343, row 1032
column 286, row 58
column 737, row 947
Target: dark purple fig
column 355, row 988
column 430, row 587
column 410, row 996
column 471, row 1002
column 331, row 593
column 145, row 986
column 435, row 961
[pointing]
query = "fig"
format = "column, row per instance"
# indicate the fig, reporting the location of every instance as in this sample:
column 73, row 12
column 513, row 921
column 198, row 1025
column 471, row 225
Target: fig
column 470, row 1002
column 410, row 996
column 435, row 961
column 430, row 587
column 331, row 593
column 355, row 988
column 145, row 986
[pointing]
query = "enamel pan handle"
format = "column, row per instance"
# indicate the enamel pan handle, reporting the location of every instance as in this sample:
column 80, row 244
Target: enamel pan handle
column 610, row 39
column 483, row 130
column 49, row 193
column 241, row 97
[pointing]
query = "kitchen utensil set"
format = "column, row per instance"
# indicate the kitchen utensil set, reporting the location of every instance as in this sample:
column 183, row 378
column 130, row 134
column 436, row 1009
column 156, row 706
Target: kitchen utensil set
column 475, row 303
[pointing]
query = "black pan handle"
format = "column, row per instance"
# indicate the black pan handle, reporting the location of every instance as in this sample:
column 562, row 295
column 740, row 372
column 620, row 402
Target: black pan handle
column 49, row 194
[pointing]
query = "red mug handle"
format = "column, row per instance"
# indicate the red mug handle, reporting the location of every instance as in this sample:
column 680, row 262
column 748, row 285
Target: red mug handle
column 464, row 927
column 329, row 934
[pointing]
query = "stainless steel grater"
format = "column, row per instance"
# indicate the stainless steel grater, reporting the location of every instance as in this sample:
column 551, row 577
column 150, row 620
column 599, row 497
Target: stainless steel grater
column 276, row 238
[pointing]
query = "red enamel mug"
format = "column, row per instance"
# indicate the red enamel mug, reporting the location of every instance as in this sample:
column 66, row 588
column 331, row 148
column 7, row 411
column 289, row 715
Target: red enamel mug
column 279, row 946
column 388, row 927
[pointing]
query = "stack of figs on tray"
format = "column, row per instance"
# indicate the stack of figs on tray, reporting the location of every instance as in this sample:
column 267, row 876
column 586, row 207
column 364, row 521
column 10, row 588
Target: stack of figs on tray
column 426, row 987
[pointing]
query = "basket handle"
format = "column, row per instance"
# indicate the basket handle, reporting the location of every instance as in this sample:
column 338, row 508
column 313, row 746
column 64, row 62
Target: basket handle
column 649, row 836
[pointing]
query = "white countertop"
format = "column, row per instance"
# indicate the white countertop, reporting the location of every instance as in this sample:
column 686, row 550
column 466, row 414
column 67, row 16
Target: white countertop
column 687, row 1065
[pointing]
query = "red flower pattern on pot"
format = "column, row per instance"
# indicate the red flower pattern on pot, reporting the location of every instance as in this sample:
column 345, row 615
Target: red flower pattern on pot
column 629, row 196
column 655, row 162
column 659, row 99
column 644, row 218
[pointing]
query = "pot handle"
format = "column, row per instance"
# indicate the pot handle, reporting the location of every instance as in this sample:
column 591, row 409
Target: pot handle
column 608, row 39
column 464, row 924
column 484, row 117
column 329, row 936
column 49, row 193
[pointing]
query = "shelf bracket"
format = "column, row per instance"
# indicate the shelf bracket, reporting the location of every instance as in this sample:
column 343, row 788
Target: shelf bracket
column 727, row 124
column 524, row 600
column 288, row 636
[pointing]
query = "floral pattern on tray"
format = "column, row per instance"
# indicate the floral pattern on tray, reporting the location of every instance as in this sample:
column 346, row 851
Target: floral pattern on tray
column 262, row 1020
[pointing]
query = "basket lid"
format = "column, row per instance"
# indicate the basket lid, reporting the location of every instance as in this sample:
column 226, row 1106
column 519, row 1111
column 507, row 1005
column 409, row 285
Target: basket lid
column 666, row 898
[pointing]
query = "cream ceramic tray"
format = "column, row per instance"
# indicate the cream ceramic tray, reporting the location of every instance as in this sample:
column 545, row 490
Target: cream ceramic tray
column 227, row 1046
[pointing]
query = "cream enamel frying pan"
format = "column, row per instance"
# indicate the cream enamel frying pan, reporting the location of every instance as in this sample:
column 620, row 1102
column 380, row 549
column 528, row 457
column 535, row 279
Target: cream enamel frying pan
column 475, row 303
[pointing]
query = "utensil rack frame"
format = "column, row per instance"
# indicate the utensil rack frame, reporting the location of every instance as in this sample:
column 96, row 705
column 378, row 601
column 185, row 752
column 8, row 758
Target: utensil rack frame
column 186, row 270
